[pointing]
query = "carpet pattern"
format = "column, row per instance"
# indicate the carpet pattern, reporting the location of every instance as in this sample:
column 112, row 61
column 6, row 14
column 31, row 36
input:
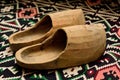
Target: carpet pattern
column 16, row 15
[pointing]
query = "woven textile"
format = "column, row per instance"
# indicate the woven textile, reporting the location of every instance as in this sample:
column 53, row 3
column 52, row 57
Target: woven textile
column 16, row 15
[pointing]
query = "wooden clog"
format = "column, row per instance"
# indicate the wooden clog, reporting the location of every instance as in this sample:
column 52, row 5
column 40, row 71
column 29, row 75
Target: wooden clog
column 67, row 47
column 44, row 28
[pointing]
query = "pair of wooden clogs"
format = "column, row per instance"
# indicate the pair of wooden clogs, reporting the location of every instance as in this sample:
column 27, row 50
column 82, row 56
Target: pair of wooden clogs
column 59, row 40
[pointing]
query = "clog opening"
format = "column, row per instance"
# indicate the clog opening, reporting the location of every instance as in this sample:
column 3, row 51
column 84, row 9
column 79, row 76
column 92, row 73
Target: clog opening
column 35, row 33
column 60, row 40
column 48, row 51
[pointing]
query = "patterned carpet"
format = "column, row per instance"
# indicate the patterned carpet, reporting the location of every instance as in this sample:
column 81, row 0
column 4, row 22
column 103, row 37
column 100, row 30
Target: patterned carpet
column 16, row 15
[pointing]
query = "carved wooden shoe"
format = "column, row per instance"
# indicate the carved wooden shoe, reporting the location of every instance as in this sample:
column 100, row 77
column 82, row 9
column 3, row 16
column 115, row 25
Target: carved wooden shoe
column 44, row 28
column 67, row 47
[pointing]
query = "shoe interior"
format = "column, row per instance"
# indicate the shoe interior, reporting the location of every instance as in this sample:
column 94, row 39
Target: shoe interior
column 35, row 33
column 48, row 51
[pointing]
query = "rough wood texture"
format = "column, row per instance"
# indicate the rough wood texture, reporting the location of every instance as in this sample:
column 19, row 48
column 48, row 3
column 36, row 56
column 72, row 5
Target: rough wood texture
column 67, row 47
column 44, row 28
